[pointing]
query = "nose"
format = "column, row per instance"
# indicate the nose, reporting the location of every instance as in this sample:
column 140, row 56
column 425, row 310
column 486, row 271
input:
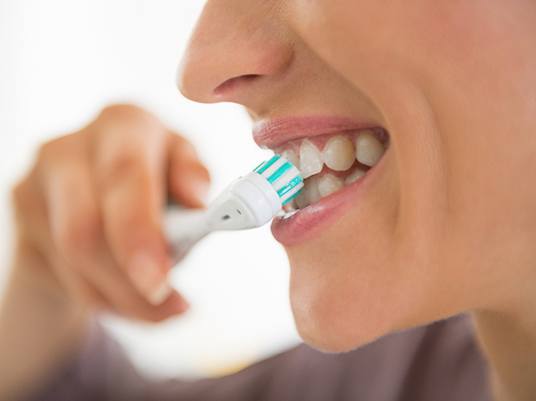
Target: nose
column 234, row 53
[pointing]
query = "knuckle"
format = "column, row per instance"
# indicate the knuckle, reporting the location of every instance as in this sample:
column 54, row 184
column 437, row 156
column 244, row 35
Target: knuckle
column 45, row 151
column 127, row 112
column 120, row 126
column 80, row 236
column 22, row 200
column 118, row 169
column 129, row 230
column 122, row 108
column 128, row 224
column 183, row 148
column 56, row 150
column 18, row 193
column 91, row 298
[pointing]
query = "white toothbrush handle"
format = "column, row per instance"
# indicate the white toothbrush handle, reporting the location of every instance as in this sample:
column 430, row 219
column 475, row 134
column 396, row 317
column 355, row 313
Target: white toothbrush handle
column 183, row 228
column 248, row 202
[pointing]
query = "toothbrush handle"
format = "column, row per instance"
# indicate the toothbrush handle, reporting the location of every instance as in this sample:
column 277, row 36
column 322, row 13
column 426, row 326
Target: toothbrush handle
column 183, row 228
column 247, row 202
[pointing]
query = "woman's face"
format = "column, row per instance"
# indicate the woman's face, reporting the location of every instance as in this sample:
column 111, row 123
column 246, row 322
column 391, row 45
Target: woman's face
column 446, row 220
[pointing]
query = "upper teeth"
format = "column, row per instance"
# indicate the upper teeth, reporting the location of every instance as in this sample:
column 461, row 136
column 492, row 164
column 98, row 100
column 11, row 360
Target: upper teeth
column 339, row 154
column 291, row 156
column 310, row 160
column 368, row 149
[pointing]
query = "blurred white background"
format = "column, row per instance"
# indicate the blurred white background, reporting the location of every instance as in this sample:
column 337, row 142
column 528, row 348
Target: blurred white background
column 61, row 62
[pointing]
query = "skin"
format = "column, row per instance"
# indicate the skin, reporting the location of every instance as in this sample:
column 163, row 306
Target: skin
column 448, row 226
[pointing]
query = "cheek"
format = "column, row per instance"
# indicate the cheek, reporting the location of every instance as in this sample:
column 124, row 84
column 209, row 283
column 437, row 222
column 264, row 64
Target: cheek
column 432, row 239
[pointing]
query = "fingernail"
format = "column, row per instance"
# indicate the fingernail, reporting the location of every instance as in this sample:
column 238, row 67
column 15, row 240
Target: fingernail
column 149, row 278
column 162, row 293
column 181, row 305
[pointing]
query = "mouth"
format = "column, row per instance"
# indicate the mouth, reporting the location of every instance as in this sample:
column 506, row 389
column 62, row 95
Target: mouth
column 335, row 156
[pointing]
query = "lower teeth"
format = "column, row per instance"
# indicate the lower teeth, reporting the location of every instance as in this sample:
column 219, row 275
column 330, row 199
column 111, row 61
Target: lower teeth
column 287, row 214
column 318, row 187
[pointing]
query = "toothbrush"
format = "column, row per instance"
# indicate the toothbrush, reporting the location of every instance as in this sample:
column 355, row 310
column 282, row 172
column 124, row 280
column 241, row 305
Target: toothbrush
column 248, row 202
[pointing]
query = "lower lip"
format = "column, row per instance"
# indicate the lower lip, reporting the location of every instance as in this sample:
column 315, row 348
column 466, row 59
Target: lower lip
column 310, row 221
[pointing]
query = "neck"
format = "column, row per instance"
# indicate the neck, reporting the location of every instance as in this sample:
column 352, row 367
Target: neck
column 509, row 341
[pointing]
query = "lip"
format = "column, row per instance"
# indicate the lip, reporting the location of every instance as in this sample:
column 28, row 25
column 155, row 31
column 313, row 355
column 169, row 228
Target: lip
column 275, row 132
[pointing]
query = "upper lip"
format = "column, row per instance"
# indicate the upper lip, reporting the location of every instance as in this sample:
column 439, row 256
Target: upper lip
column 275, row 132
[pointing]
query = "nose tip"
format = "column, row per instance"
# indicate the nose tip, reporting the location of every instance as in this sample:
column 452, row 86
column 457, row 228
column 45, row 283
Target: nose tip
column 225, row 61
column 195, row 81
column 218, row 72
column 208, row 82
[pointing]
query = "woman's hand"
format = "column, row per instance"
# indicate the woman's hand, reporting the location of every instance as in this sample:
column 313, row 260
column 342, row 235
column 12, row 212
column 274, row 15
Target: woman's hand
column 90, row 211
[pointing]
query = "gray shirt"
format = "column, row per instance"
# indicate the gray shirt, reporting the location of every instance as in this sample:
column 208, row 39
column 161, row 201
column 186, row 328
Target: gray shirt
column 438, row 362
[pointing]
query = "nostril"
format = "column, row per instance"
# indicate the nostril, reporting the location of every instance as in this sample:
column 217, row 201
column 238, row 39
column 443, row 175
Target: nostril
column 234, row 83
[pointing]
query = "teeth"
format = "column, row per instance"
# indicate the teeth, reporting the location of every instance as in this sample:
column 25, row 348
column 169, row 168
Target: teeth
column 301, row 200
column 354, row 176
column 310, row 159
column 309, row 194
column 368, row 149
column 317, row 188
column 291, row 156
column 290, row 207
column 311, row 190
column 328, row 183
column 339, row 154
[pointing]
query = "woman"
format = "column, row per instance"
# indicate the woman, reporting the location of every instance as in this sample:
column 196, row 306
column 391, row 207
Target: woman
column 443, row 222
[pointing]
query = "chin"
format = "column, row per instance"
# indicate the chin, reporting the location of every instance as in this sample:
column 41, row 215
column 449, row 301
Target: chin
column 328, row 332
column 334, row 319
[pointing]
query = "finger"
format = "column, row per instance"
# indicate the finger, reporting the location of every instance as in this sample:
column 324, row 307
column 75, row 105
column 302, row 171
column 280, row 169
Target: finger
column 77, row 232
column 129, row 163
column 33, row 225
column 174, row 305
column 79, row 289
column 30, row 212
column 188, row 178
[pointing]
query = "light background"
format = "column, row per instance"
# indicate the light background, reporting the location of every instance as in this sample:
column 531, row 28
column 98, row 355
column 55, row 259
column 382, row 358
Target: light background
column 61, row 61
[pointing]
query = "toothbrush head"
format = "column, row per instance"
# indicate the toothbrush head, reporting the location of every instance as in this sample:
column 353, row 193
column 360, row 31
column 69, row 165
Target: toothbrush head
column 283, row 176
column 253, row 200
